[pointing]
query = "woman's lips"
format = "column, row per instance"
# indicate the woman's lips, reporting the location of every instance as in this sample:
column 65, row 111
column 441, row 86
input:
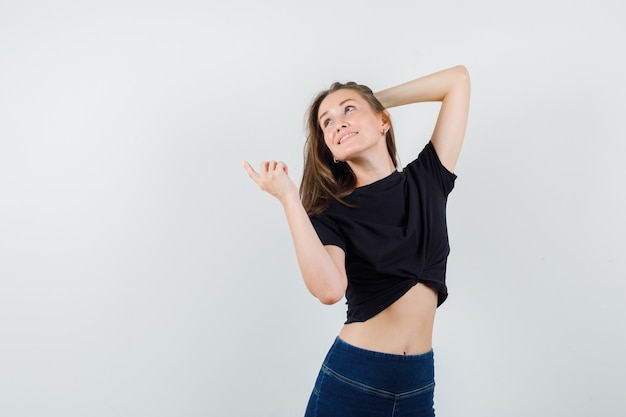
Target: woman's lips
column 345, row 137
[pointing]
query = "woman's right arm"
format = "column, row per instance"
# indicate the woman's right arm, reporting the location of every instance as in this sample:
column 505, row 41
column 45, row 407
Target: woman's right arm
column 322, row 267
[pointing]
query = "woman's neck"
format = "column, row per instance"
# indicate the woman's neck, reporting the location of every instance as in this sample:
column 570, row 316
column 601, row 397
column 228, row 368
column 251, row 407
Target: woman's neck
column 368, row 171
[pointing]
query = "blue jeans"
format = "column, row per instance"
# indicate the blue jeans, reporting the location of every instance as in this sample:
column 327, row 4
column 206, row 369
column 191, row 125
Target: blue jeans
column 363, row 383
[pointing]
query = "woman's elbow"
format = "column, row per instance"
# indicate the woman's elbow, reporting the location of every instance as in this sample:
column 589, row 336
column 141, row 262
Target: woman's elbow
column 461, row 71
column 330, row 298
column 330, row 290
column 332, row 294
column 462, row 75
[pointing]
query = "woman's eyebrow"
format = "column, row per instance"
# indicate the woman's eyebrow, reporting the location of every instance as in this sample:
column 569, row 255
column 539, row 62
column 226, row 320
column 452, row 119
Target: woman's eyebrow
column 340, row 104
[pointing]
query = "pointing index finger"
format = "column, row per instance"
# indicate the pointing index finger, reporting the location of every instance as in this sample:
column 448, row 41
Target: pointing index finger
column 251, row 172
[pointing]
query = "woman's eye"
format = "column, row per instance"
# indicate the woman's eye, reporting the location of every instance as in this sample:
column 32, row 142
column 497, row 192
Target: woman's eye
column 349, row 109
column 326, row 123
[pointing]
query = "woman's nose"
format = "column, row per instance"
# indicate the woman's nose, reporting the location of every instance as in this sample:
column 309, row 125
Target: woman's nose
column 341, row 125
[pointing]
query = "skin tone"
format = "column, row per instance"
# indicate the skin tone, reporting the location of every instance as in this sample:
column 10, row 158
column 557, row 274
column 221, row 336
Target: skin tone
column 322, row 267
column 354, row 133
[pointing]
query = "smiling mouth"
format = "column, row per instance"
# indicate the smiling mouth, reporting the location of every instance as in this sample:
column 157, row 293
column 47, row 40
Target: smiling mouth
column 346, row 137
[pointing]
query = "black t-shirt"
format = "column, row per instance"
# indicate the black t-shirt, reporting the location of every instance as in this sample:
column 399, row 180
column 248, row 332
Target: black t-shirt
column 394, row 237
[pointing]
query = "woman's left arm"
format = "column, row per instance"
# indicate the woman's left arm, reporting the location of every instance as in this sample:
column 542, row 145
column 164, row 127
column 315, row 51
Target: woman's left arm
column 452, row 88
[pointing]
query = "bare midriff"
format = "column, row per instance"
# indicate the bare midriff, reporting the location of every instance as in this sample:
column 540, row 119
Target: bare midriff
column 404, row 328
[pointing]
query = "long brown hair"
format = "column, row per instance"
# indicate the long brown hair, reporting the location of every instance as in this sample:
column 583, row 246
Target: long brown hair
column 323, row 180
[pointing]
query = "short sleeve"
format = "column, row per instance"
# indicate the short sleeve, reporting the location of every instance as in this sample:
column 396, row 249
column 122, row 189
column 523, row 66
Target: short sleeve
column 327, row 230
column 429, row 161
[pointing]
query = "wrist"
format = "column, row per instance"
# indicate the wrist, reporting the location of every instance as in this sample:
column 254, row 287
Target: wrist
column 291, row 199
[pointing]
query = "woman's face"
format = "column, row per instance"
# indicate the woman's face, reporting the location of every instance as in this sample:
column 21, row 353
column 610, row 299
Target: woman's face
column 350, row 125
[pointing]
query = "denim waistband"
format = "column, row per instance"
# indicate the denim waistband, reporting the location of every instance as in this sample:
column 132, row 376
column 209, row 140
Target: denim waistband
column 385, row 371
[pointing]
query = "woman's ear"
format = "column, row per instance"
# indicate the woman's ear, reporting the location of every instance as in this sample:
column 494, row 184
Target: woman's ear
column 386, row 118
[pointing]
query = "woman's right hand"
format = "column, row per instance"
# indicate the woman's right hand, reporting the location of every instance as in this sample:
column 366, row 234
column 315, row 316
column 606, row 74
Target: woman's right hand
column 273, row 177
column 323, row 268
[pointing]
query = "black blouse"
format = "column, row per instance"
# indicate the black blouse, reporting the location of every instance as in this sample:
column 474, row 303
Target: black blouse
column 394, row 236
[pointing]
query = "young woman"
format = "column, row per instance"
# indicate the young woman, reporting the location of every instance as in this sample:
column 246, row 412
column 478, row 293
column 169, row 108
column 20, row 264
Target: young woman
column 376, row 235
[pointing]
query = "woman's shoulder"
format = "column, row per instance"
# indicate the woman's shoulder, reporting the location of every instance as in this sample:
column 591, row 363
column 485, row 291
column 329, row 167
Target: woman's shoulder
column 427, row 167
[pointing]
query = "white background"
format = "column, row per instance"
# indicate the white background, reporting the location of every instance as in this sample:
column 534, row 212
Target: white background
column 142, row 273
